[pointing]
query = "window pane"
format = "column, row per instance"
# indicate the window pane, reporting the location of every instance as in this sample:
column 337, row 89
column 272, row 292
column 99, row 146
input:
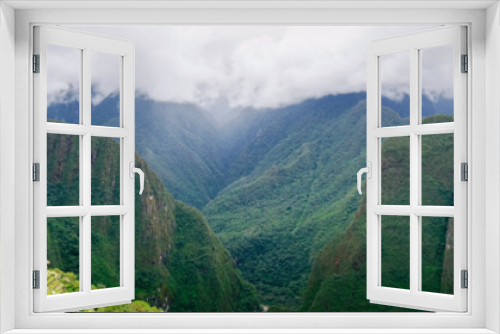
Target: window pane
column 395, row 88
column 105, row 89
column 63, row 255
column 437, row 170
column 437, row 84
column 395, row 171
column 396, row 251
column 105, row 252
column 105, row 186
column 63, row 84
column 437, row 254
column 63, row 170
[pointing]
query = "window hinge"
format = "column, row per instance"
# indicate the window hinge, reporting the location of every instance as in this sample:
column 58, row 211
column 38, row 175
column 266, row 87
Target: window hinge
column 464, row 171
column 36, row 63
column 36, row 279
column 36, row 172
column 465, row 279
column 465, row 64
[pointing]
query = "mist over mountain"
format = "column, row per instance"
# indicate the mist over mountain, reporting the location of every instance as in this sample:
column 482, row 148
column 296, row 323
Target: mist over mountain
column 276, row 185
column 181, row 143
column 430, row 106
column 289, row 190
column 192, row 149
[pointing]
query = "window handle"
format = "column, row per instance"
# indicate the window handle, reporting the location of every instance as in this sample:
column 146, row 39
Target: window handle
column 139, row 171
column 368, row 171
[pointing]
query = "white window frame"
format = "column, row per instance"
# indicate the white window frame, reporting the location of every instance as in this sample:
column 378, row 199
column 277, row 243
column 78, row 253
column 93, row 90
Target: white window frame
column 87, row 44
column 484, row 48
column 414, row 297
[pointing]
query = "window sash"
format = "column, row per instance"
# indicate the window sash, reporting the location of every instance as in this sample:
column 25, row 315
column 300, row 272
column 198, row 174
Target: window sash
column 86, row 297
column 413, row 298
column 308, row 322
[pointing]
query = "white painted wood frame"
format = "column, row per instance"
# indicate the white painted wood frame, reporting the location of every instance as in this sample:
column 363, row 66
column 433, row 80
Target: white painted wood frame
column 86, row 297
column 482, row 315
column 415, row 297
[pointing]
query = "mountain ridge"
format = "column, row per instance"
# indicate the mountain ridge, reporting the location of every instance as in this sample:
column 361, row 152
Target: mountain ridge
column 198, row 157
column 171, row 274
column 337, row 282
column 269, row 179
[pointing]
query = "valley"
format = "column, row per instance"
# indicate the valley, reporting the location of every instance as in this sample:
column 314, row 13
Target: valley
column 338, row 278
column 180, row 264
column 274, row 192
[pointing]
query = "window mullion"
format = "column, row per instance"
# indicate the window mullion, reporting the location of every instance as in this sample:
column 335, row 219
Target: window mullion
column 85, row 255
column 86, row 168
column 414, row 172
column 128, row 155
column 82, row 269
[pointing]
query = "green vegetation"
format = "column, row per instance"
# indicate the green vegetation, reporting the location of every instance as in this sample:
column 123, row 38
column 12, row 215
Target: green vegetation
column 183, row 146
column 180, row 142
column 208, row 280
column 135, row 307
column 59, row 282
column 277, row 187
column 105, row 251
column 337, row 282
column 64, row 173
column 180, row 263
column 294, row 191
column 278, row 183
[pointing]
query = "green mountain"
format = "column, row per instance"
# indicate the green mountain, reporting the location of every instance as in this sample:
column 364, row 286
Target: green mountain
column 183, row 146
column 294, row 190
column 181, row 266
column 275, row 185
column 193, row 155
column 337, row 282
column 181, row 142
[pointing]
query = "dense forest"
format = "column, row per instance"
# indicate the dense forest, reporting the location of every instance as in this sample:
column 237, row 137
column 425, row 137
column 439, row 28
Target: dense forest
column 180, row 264
column 276, row 187
column 338, row 279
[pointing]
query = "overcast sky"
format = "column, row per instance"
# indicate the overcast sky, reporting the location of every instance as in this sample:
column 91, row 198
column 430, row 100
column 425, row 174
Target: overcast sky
column 260, row 67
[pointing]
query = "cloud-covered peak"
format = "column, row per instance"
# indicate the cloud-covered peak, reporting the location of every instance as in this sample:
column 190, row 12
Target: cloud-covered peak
column 258, row 67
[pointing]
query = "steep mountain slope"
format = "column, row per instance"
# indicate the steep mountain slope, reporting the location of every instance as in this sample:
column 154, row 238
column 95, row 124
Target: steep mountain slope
column 260, row 132
column 194, row 156
column 279, row 183
column 181, row 143
column 337, row 282
column 294, row 190
column 180, row 264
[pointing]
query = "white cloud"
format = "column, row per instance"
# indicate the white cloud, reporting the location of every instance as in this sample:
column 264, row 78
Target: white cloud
column 253, row 66
column 62, row 74
column 105, row 77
